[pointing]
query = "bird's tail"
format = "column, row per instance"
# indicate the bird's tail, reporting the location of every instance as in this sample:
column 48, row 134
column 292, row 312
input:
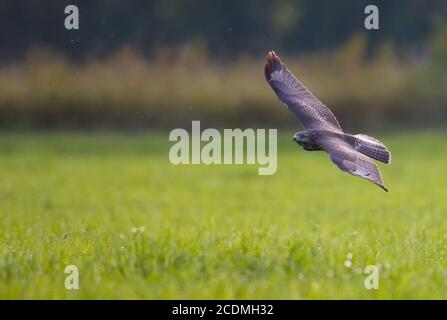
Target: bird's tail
column 371, row 147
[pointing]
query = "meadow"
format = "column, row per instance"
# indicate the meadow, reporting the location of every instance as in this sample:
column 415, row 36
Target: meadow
column 138, row 227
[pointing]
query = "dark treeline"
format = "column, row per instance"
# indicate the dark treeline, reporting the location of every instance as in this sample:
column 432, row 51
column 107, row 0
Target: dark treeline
column 223, row 26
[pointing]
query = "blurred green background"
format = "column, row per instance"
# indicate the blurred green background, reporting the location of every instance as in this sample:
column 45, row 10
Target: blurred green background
column 85, row 177
column 159, row 64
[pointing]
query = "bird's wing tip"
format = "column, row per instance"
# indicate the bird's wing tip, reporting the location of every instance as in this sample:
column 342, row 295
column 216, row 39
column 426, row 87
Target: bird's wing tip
column 272, row 57
column 273, row 63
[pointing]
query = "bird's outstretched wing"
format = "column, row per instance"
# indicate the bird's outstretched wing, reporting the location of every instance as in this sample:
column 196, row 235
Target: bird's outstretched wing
column 311, row 112
column 348, row 159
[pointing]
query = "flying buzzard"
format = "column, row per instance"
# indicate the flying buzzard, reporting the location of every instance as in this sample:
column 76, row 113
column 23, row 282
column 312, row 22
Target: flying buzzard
column 351, row 153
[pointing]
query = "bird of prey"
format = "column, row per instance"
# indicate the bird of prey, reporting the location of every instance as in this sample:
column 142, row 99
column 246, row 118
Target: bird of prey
column 354, row 154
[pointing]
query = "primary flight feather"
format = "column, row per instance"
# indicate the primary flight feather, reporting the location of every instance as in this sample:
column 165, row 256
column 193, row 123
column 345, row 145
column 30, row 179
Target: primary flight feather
column 354, row 154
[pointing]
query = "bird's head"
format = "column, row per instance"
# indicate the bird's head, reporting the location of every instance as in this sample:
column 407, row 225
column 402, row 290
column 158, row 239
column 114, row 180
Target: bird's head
column 301, row 138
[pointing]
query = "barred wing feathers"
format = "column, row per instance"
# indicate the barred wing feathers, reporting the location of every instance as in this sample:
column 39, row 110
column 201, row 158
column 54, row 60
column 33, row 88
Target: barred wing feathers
column 310, row 111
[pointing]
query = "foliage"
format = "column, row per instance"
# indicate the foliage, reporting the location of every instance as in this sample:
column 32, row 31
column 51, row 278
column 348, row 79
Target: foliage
column 177, row 85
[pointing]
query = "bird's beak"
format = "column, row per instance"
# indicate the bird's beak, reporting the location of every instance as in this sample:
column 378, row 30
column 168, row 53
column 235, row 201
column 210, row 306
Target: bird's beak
column 294, row 139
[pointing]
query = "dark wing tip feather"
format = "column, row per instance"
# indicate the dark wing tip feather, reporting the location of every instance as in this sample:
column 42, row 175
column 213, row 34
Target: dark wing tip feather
column 272, row 64
column 267, row 72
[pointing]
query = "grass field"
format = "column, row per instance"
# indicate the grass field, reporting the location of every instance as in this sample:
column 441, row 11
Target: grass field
column 138, row 227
